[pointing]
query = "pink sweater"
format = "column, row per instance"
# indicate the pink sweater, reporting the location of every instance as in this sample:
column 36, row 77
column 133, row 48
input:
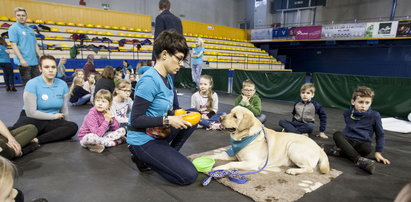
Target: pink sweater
column 94, row 122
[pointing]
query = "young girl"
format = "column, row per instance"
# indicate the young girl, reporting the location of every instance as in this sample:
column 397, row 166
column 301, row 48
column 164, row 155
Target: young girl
column 206, row 101
column 197, row 61
column 6, row 65
column 78, row 95
column 117, row 77
column 79, row 73
column 61, row 70
column 100, row 129
column 122, row 102
column 89, row 84
column 133, row 85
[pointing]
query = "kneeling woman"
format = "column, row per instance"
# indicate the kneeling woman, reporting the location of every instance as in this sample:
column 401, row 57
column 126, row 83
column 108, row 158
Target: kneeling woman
column 45, row 105
column 155, row 138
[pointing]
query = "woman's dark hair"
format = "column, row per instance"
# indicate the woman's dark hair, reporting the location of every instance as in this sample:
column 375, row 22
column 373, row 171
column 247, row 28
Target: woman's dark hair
column 108, row 72
column 128, row 64
column 172, row 42
column 3, row 42
column 46, row 57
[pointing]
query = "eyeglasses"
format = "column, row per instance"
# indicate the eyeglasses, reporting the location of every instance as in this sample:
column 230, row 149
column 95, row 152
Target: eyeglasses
column 179, row 59
column 248, row 90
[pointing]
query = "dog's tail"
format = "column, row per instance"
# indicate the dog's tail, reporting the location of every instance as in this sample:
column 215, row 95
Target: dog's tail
column 324, row 163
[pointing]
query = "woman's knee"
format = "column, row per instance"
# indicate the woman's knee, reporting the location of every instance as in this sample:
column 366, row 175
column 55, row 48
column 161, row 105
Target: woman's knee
column 190, row 176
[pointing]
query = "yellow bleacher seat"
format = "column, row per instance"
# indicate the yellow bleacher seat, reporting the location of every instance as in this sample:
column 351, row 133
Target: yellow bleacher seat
column 145, row 30
column 129, row 35
column 79, row 24
column 107, row 27
column 130, row 29
column 114, row 27
column 4, row 18
column 71, row 24
column 69, row 30
column 185, row 34
column 196, row 35
column 189, row 34
column 53, row 29
column 50, row 22
column 137, row 35
column 39, row 21
column 108, row 33
column 144, row 36
column 123, row 28
column 100, row 33
column 89, row 32
column 57, row 37
column 201, row 35
column 29, row 20
column 60, row 23
column 138, row 29
column 192, row 45
column 150, row 36
column 121, row 34
column 79, row 31
column 64, row 45
column 98, row 26
column 13, row 19
column 89, row 25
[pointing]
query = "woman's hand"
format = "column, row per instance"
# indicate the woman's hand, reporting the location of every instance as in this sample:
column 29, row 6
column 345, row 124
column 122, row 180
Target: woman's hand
column 59, row 116
column 178, row 122
column 12, row 143
column 204, row 116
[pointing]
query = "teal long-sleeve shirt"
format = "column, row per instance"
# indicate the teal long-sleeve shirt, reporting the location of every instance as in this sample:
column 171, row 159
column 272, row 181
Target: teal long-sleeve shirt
column 254, row 104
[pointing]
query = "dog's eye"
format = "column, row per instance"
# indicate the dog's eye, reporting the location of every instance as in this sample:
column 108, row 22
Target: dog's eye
column 235, row 116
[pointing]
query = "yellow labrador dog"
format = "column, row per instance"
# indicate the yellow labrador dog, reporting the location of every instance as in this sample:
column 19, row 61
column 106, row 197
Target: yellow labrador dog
column 285, row 149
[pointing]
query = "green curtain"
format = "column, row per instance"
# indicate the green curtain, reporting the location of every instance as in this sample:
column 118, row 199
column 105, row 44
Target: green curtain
column 276, row 85
column 183, row 78
column 392, row 94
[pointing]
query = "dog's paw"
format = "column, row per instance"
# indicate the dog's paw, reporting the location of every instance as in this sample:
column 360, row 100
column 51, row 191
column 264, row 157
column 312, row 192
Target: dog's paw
column 222, row 167
column 293, row 171
column 309, row 186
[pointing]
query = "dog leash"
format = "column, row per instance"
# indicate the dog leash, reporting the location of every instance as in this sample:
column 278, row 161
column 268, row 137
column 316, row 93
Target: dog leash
column 233, row 175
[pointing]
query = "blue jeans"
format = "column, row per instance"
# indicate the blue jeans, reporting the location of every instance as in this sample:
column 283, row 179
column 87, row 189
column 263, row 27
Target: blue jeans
column 83, row 100
column 262, row 118
column 163, row 157
column 296, row 126
column 214, row 118
column 196, row 73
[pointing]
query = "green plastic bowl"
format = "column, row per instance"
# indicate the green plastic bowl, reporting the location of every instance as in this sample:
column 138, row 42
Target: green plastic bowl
column 203, row 164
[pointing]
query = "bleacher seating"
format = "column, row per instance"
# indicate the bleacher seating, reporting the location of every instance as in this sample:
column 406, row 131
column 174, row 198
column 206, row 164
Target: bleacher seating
column 221, row 52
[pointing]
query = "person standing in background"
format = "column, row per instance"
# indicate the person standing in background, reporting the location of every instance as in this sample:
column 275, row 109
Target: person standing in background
column 24, row 43
column 5, row 64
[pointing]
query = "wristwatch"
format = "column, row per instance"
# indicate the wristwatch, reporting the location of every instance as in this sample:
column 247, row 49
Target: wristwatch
column 166, row 121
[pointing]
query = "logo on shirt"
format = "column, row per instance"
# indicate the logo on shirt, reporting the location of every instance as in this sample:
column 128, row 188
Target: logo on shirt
column 44, row 97
column 23, row 32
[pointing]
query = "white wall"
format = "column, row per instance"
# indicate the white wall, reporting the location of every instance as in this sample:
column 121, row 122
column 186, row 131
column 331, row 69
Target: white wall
column 219, row 12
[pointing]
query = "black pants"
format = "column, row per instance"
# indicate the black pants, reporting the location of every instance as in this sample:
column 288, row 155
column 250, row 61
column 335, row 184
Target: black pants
column 49, row 130
column 27, row 73
column 351, row 148
column 8, row 74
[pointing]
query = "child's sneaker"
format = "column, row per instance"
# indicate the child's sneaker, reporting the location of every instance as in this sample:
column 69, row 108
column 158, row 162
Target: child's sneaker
column 332, row 150
column 200, row 126
column 98, row 148
column 366, row 164
column 120, row 141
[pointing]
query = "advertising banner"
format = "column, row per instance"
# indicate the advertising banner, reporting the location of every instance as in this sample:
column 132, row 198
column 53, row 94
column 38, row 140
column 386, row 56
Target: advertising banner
column 343, row 31
column 309, row 32
column 261, row 34
column 280, row 33
column 404, row 28
column 381, row 29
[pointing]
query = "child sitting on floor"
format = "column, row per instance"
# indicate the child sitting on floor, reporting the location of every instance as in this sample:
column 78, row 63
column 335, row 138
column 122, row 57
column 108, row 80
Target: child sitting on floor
column 206, row 101
column 361, row 122
column 304, row 114
column 250, row 100
column 122, row 102
column 100, row 128
column 78, row 95
column 90, row 83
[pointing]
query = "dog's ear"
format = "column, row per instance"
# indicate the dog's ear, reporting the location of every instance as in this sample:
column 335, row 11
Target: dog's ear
column 246, row 121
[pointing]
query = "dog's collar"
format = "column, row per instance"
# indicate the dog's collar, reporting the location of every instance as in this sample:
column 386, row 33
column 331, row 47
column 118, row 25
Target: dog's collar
column 237, row 146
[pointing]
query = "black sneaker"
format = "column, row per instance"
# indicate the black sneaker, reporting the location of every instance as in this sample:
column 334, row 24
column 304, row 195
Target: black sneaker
column 8, row 89
column 32, row 146
column 13, row 89
column 142, row 167
column 331, row 150
column 366, row 164
column 39, row 200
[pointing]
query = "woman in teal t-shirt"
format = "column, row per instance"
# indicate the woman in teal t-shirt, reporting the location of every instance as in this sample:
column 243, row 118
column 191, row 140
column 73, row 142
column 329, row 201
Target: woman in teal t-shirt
column 5, row 64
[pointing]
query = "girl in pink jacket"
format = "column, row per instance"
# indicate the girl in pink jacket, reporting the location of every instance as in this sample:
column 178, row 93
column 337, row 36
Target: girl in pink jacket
column 100, row 128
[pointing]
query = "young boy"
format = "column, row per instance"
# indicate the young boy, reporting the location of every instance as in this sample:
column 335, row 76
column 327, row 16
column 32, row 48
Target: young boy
column 250, row 100
column 304, row 114
column 361, row 123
